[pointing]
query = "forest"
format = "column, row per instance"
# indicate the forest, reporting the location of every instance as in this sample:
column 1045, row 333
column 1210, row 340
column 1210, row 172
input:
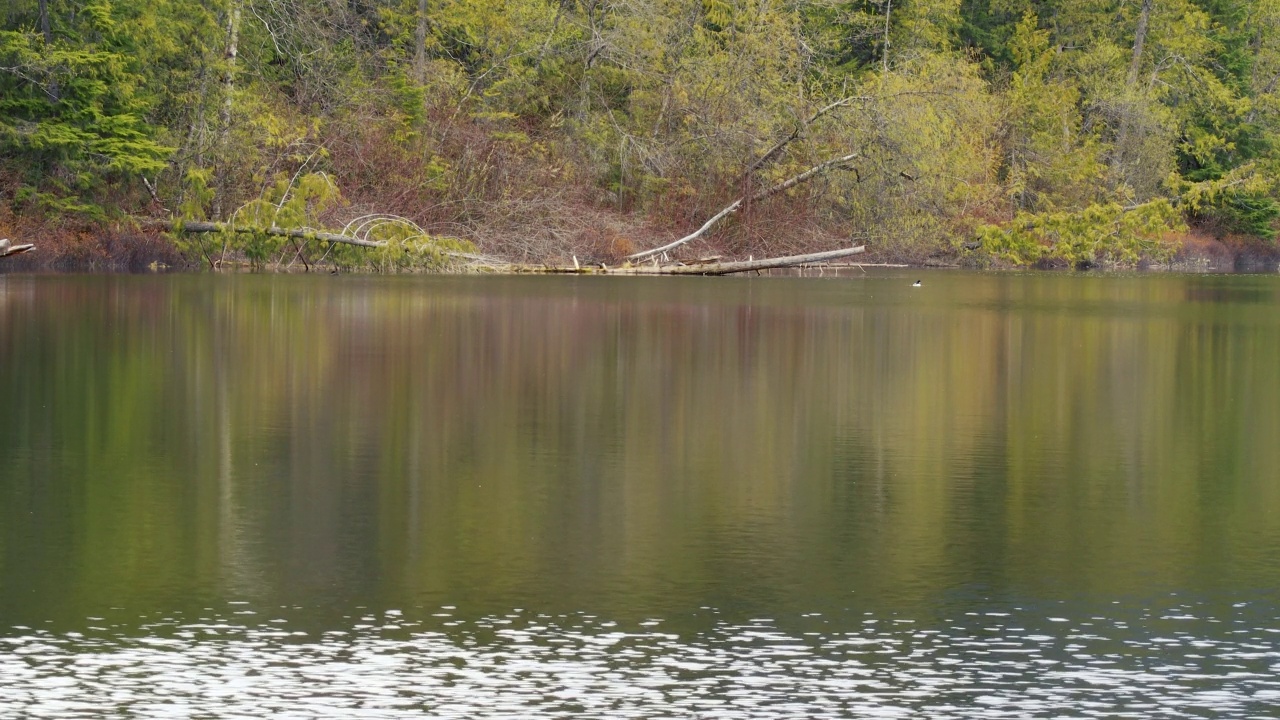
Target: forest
column 987, row 132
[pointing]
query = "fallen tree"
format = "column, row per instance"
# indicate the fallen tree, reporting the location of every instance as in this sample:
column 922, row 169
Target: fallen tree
column 770, row 155
column 757, row 197
column 710, row 267
column 703, row 268
column 203, row 226
column 7, row 248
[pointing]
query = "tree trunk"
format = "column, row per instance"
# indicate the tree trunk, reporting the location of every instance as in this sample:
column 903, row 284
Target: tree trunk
column 420, row 44
column 798, row 132
column 200, row 226
column 45, row 28
column 229, row 72
column 888, row 9
column 228, row 99
column 701, row 268
column 1139, row 39
column 7, row 248
column 728, row 268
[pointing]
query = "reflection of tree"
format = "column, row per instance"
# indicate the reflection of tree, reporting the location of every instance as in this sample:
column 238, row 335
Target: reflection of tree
column 620, row 445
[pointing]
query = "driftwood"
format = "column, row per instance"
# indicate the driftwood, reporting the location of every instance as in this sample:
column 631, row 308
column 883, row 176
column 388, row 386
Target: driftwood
column 737, row 204
column 702, row 268
column 7, row 248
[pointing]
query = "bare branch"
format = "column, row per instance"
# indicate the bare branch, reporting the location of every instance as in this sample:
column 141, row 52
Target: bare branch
column 733, row 207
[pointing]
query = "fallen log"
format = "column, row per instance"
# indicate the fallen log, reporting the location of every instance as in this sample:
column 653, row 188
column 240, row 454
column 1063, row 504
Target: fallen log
column 713, row 268
column 867, row 265
column 707, row 266
column 201, row 226
column 7, row 248
column 740, row 266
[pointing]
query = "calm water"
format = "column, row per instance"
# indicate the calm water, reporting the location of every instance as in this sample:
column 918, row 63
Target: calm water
column 992, row 496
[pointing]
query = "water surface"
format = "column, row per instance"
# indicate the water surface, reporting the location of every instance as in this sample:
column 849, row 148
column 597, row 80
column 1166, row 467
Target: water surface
column 996, row 495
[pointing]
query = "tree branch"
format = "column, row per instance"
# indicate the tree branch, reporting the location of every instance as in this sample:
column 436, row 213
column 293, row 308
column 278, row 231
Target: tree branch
column 795, row 134
column 736, row 204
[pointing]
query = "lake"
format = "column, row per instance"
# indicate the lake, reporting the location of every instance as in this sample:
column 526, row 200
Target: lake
column 996, row 495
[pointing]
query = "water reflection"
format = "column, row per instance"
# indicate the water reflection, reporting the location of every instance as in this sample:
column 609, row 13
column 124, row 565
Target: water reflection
column 622, row 450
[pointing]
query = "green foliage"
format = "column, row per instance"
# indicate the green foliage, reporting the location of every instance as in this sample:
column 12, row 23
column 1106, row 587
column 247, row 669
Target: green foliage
column 54, row 204
column 1097, row 234
column 407, row 247
column 846, row 36
column 1052, row 161
column 1239, row 201
column 295, row 202
column 1033, row 117
column 198, row 186
column 929, row 168
column 71, row 106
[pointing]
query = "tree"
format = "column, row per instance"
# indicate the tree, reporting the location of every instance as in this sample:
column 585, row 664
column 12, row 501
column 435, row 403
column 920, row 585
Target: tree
column 71, row 104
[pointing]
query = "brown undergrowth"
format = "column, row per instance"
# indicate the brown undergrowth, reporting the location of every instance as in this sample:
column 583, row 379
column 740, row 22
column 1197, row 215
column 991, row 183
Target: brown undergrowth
column 530, row 199
column 68, row 245
column 1203, row 250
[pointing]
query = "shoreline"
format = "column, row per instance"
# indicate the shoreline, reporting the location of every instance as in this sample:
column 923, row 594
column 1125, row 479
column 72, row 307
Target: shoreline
column 90, row 249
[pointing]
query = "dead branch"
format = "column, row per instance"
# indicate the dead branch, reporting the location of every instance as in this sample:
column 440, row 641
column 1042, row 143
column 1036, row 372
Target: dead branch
column 798, row 131
column 733, row 207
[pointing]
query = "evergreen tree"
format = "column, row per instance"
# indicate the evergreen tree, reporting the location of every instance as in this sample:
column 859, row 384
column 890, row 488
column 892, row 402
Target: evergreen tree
column 71, row 103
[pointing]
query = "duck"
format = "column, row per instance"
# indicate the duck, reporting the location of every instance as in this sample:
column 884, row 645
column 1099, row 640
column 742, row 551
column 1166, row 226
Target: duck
column 917, row 284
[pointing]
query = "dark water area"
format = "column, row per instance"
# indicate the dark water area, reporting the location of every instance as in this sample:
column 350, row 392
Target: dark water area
column 996, row 495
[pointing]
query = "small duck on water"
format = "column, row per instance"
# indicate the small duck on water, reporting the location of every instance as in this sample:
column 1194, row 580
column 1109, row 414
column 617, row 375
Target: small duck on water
column 917, row 284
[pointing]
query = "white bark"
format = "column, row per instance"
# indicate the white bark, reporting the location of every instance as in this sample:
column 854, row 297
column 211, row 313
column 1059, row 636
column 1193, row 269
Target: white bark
column 729, row 268
column 7, row 248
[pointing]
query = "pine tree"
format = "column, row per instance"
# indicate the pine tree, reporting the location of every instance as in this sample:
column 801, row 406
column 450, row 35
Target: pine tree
column 71, row 111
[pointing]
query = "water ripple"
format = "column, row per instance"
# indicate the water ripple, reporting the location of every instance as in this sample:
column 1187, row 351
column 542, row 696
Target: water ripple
column 388, row 665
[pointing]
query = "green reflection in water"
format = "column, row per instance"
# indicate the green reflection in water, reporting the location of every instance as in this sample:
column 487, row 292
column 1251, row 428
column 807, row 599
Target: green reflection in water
column 636, row 447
